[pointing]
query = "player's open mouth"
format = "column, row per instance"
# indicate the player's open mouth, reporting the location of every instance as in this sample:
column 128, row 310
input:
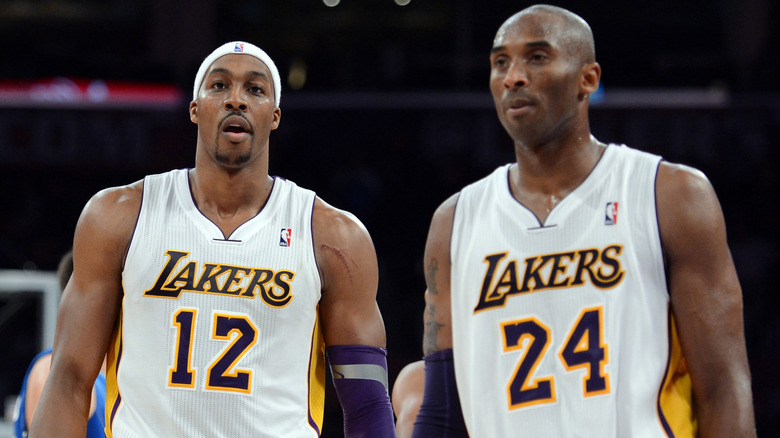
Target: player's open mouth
column 235, row 134
column 236, row 128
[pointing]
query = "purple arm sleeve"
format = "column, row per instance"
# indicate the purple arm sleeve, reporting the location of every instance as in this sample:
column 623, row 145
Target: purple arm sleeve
column 440, row 413
column 360, row 378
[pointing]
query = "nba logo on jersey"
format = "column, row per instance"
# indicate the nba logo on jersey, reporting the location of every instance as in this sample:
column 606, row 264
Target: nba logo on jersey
column 611, row 213
column 285, row 237
column 239, row 48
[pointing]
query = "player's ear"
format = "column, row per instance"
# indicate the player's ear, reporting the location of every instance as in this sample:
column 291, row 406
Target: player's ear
column 194, row 111
column 276, row 118
column 590, row 75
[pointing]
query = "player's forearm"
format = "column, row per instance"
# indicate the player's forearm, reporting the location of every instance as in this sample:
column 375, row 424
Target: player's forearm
column 360, row 379
column 60, row 417
column 440, row 414
column 63, row 409
column 726, row 413
column 733, row 424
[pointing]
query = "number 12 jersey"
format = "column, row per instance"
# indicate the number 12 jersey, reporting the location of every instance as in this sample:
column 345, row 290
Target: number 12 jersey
column 218, row 335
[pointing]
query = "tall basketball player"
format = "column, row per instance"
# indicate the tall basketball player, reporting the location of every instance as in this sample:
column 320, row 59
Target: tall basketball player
column 218, row 291
column 586, row 289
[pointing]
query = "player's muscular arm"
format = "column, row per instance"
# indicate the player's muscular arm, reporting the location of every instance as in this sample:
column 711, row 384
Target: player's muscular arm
column 351, row 322
column 440, row 412
column 706, row 301
column 88, row 311
column 437, row 316
column 350, row 277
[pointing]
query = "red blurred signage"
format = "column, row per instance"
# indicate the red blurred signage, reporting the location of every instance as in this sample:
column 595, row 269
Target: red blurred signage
column 61, row 92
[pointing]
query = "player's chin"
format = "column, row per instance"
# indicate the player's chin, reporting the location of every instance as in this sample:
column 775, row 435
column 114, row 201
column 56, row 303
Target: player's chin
column 233, row 160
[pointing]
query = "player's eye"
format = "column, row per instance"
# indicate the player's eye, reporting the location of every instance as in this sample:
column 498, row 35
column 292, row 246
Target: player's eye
column 538, row 57
column 500, row 62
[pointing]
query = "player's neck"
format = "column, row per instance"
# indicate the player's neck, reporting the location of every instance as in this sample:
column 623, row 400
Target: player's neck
column 230, row 198
column 546, row 174
column 558, row 163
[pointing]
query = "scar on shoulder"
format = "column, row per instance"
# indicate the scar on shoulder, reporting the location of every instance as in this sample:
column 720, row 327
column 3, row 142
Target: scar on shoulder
column 341, row 256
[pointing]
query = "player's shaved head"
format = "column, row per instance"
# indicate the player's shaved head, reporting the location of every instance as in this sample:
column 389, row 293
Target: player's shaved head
column 573, row 32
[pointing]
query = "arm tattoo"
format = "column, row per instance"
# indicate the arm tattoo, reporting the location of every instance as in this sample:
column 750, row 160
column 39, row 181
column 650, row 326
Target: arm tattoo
column 431, row 330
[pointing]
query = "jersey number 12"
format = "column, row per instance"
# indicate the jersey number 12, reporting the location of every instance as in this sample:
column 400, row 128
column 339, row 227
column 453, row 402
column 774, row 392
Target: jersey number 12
column 222, row 374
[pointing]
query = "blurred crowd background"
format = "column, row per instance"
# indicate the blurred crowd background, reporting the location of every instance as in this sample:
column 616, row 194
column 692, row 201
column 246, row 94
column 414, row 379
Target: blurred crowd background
column 385, row 112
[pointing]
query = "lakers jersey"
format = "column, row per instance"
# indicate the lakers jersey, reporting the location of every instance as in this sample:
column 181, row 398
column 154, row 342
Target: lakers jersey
column 218, row 335
column 563, row 328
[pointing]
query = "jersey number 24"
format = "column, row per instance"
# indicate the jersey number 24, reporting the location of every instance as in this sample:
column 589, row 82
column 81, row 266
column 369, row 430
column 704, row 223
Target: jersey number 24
column 583, row 348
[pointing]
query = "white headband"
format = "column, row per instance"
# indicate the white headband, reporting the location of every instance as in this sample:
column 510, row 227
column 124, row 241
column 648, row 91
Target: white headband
column 245, row 49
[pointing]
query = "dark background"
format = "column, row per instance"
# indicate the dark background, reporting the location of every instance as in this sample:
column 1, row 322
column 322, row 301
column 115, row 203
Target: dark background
column 394, row 115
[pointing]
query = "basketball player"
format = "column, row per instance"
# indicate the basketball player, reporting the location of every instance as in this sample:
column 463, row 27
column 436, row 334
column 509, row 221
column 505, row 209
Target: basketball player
column 38, row 372
column 587, row 288
column 218, row 291
column 407, row 396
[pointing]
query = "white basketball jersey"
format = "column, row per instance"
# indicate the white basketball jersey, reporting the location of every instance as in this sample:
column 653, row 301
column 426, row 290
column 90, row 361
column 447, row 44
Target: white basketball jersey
column 218, row 337
column 563, row 329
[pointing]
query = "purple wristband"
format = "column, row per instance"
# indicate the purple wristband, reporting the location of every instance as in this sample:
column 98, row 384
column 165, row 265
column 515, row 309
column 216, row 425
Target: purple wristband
column 440, row 414
column 360, row 378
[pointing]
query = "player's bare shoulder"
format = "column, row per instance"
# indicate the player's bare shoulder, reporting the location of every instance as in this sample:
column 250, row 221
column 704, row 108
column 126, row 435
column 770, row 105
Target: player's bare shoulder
column 445, row 212
column 682, row 180
column 440, row 232
column 333, row 224
column 680, row 185
column 342, row 244
column 112, row 212
column 687, row 207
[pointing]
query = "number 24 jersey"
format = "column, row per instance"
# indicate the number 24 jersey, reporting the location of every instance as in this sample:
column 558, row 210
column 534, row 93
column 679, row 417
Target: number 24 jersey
column 563, row 328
